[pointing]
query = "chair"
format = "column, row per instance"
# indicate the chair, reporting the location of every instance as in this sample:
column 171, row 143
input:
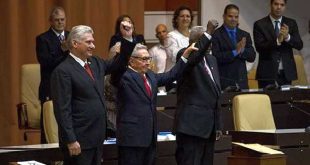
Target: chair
column 29, row 109
column 252, row 82
column 301, row 73
column 49, row 123
column 252, row 112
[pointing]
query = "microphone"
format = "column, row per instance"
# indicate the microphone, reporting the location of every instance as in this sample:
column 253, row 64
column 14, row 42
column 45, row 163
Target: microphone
column 231, row 88
column 307, row 129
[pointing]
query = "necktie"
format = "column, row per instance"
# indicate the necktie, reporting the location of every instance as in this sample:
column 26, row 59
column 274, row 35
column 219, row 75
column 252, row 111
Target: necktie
column 276, row 28
column 61, row 37
column 88, row 70
column 233, row 37
column 147, row 86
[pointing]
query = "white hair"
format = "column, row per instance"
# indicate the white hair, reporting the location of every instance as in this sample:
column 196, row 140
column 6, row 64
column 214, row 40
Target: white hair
column 137, row 48
column 77, row 32
column 196, row 32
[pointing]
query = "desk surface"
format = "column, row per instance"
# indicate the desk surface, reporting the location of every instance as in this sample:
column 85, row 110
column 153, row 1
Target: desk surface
column 51, row 152
column 279, row 137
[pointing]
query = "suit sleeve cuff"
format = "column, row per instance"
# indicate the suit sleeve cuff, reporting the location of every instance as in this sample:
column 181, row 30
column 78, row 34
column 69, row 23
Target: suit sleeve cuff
column 235, row 53
column 208, row 35
column 184, row 59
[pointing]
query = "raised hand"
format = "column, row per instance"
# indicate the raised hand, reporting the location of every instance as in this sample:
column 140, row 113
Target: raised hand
column 211, row 26
column 188, row 50
column 126, row 29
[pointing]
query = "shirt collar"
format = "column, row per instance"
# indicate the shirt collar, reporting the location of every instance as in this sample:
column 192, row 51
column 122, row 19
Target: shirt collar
column 272, row 19
column 81, row 62
column 57, row 34
column 229, row 30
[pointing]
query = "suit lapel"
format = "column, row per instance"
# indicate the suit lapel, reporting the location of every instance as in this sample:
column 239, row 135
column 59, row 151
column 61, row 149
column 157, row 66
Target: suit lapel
column 215, row 74
column 209, row 79
column 269, row 27
column 226, row 37
column 138, row 79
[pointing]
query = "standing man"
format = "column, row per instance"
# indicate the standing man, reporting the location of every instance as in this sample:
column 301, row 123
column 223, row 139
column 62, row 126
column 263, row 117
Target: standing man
column 275, row 36
column 158, row 52
column 51, row 49
column 197, row 118
column 232, row 47
column 137, row 92
column 78, row 98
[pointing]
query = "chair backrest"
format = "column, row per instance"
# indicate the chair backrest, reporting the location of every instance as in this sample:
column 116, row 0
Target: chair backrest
column 252, row 112
column 252, row 82
column 301, row 73
column 49, row 123
column 30, row 81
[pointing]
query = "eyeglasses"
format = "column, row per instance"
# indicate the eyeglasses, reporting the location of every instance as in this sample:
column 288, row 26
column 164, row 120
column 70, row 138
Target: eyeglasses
column 144, row 59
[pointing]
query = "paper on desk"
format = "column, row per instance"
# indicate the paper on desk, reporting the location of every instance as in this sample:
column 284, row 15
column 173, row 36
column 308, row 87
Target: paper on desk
column 32, row 162
column 259, row 148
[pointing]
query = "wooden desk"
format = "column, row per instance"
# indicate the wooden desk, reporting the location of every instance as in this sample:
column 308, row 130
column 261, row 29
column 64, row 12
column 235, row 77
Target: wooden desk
column 51, row 152
column 295, row 143
column 286, row 105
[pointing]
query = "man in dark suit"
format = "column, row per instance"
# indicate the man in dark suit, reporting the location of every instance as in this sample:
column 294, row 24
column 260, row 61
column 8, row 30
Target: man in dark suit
column 232, row 47
column 197, row 120
column 137, row 92
column 51, row 50
column 275, row 36
column 78, row 99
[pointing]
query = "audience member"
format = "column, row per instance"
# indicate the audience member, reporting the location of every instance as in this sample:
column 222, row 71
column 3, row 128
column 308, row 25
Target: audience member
column 275, row 36
column 118, row 35
column 178, row 38
column 197, row 118
column 232, row 47
column 51, row 49
column 78, row 99
column 158, row 52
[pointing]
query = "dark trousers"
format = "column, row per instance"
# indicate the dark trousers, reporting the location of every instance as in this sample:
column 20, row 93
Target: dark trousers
column 91, row 156
column 43, row 138
column 192, row 150
column 280, row 79
column 136, row 155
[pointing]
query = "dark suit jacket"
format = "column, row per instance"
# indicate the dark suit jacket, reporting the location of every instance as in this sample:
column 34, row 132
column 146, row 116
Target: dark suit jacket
column 232, row 69
column 49, row 55
column 136, row 118
column 136, row 39
column 79, row 101
column 197, row 96
column 270, row 53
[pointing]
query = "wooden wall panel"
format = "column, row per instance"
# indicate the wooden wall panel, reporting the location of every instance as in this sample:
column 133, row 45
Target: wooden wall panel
column 22, row 21
column 169, row 5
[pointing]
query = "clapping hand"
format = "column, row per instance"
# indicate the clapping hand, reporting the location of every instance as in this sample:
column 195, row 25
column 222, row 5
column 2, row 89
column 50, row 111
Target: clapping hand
column 241, row 45
column 283, row 34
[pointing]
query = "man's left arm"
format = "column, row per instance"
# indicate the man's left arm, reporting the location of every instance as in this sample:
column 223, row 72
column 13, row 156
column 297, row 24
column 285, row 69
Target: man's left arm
column 294, row 37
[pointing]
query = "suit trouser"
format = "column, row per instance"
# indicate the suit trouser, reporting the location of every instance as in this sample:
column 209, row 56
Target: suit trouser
column 136, row 155
column 90, row 156
column 192, row 150
column 280, row 79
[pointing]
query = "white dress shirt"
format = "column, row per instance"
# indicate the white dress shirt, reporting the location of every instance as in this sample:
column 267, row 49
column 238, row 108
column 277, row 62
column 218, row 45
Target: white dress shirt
column 176, row 41
column 159, row 57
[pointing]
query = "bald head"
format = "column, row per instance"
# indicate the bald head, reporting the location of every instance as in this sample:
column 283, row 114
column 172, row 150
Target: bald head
column 161, row 32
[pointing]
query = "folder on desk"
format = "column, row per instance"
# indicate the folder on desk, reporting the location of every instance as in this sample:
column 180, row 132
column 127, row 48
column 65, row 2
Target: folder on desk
column 254, row 149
